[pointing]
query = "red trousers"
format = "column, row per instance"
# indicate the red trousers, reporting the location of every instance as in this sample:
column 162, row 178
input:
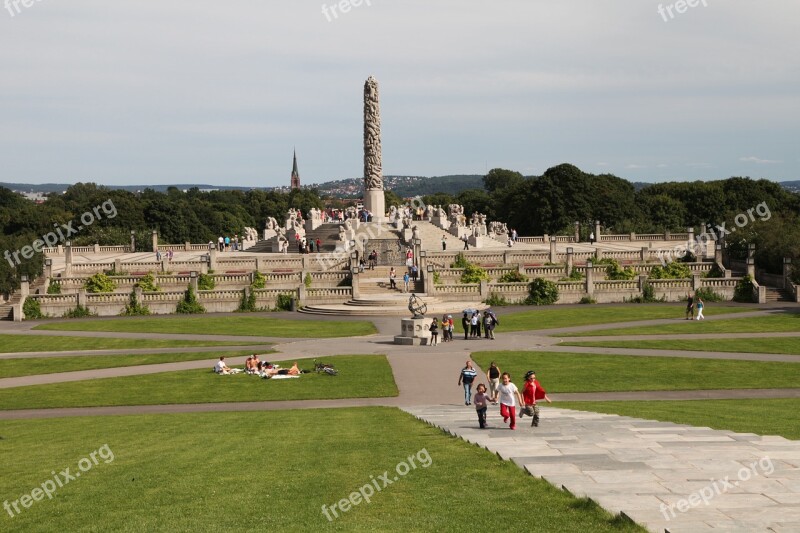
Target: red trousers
column 508, row 411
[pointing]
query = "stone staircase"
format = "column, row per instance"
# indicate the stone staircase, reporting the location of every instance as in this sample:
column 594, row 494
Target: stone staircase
column 5, row 311
column 431, row 237
column 775, row 295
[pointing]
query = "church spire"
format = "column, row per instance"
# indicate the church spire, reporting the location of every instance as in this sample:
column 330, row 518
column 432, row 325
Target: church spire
column 295, row 173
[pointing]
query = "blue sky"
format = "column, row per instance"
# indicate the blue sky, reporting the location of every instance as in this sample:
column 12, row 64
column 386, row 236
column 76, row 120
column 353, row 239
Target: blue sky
column 184, row 91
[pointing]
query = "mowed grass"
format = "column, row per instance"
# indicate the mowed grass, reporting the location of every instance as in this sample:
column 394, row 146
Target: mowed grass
column 274, row 471
column 41, row 343
column 763, row 417
column 584, row 315
column 566, row 372
column 12, row 368
column 261, row 326
column 360, row 376
column 781, row 322
column 782, row 345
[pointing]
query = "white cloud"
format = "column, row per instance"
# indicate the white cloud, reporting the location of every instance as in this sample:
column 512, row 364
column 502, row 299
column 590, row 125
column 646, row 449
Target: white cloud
column 759, row 161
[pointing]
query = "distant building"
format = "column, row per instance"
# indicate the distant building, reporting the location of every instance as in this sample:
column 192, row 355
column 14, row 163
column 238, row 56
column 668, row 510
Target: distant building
column 295, row 173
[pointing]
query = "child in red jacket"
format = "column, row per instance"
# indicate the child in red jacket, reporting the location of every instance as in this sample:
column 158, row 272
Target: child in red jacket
column 533, row 391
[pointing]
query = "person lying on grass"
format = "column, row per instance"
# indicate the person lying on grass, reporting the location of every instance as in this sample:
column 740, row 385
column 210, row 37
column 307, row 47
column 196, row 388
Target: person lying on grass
column 274, row 371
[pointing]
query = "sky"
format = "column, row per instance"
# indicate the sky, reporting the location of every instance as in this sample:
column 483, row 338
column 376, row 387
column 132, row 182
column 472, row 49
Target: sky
column 178, row 91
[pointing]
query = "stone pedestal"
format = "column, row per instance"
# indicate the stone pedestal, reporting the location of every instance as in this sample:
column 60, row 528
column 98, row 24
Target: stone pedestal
column 375, row 203
column 414, row 331
column 442, row 223
column 476, row 242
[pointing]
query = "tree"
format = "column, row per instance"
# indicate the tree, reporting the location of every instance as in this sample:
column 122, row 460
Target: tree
column 500, row 178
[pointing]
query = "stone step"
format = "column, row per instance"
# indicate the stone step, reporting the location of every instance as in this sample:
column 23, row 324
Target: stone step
column 5, row 312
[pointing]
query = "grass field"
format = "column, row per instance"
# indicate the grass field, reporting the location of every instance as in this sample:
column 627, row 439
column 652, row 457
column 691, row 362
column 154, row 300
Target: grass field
column 38, row 343
column 565, row 372
column 783, row 345
column 11, row 368
column 261, row 326
column 360, row 376
column 763, row 417
column 593, row 314
column 274, row 471
column 782, row 322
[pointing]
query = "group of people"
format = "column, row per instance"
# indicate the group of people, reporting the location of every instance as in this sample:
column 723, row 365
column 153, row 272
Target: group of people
column 306, row 246
column 226, row 244
column 168, row 255
column 472, row 324
column 691, row 305
column 255, row 367
column 504, row 392
column 447, row 327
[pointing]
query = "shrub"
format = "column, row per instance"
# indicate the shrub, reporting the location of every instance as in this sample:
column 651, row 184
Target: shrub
column 189, row 305
column 31, row 309
column 513, row 276
column 248, row 303
column 79, row 312
column 474, row 274
column 148, row 283
column 673, row 270
column 615, row 272
column 460, row 262
column 708, row 295
column 134, row 308
column 307, row 280
column 743, row 292
column 100, row 283
column 542, row 292
column 206, row 282
column 795, row 275
column 715, row 272
column 437, row 278
column 688, row 257
column 648, row 296
column 575, row 275
column 54, row 288
column 113, row 272
column 259, row 281
column 587, row 300
column 496, row 300
column 284, row 302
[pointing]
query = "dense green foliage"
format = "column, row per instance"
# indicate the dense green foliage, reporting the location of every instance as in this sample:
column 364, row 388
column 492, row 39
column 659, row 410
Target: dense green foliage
column 134, row 308
column 743, row 292
column 259, row 281
column 54, row 288
column 31, row 309
column 189, row 305
column 616, row 272
column 542, row 292
column 283, row 302
column 148, row 283
column 708, row 295
column 206, row 282
column 673, row 270
column 513, row 276
column 79, row 312
column 648, row 296
column 100, row 283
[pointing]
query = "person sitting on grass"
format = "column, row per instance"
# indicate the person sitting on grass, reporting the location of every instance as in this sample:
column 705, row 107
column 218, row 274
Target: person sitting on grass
column 223, row 369
column 250, row 366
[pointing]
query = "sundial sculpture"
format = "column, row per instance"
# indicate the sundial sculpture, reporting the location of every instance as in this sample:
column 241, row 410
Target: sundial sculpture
column 417, row 306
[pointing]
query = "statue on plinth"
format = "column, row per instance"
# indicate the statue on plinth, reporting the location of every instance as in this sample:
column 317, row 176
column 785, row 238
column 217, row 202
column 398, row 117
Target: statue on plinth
column 417, row 306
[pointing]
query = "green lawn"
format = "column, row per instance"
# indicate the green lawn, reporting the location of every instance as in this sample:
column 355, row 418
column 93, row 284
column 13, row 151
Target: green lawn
column 583, row 315
column 274, row 471
column 763, row 324
column 12, row 368
column 40, row 343
column 764, row 417
column 360, row 376
column 262, row 326
column 565, row 372
column 782, row 345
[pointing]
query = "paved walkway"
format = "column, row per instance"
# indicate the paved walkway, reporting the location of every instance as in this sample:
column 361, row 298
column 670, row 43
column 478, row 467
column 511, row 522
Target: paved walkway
column 665, row 476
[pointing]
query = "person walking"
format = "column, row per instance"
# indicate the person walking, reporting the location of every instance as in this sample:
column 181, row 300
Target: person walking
column 465, row 323
column 466, row 242
column 465, row 378
column 486, row 320
column 532, row 392
column 319, row 245
column 473, row 325
column 493, row 375
column 444, row 243
column 689, row 307
column 414, row 273
column 700, row 305
column 491, row 323
column 406, row 279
